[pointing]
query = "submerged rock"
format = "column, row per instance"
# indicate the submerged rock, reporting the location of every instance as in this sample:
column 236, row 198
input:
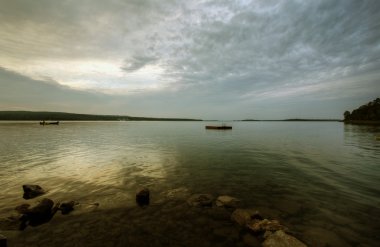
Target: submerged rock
column 227, row 201
column 281, row 239
column 142, row 197
column 243, row 216
column 32, row 190
column 177, row 193
column 258, row 226
column 3, row 241
column 67, row 207
column 39, row 214
column 200, row 200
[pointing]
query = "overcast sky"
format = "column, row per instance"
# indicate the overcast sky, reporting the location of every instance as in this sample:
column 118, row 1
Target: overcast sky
column 221, row 59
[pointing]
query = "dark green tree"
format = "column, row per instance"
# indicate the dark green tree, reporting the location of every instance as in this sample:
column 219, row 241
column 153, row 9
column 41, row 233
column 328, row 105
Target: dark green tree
column 346, row 115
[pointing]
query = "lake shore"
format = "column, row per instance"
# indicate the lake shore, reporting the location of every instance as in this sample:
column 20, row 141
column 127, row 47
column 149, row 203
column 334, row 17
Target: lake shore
column 168, row 221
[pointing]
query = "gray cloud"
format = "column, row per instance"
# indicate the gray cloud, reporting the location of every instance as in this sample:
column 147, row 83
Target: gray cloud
column 74, row 29
column 296, row 43
column 219, row 59
column 138, row 62
column 19, row 92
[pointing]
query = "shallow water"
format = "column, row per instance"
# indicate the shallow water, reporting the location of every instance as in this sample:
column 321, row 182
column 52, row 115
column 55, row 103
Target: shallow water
column 320, row 179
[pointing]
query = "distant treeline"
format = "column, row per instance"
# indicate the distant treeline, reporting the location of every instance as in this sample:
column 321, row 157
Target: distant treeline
column 368, row 113
column 62, row 116
column 296, row 119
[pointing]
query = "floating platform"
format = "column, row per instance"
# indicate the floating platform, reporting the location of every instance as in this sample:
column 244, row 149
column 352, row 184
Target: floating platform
column 49, row 123
column 218, row 127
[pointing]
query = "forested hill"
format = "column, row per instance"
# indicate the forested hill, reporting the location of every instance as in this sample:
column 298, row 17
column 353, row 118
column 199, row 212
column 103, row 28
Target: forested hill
column 369, row 112
column 63, row 116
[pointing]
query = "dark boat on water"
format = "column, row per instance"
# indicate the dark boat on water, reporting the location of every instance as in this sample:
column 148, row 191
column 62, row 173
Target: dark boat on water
column 49, row 123
column 223, row 127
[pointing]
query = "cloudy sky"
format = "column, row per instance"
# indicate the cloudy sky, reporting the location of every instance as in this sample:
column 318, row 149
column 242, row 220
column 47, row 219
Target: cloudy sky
column 221, row 59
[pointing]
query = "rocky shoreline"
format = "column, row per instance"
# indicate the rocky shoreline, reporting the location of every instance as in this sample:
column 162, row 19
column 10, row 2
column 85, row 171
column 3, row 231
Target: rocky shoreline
column 241, row 226
column 269, row 232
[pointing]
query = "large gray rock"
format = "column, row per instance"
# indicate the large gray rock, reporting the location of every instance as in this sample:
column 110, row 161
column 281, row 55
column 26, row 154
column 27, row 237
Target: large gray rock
column 200, row 200
column 227, row 201
column 32, row 190
column 243, row 216
column 281, row 239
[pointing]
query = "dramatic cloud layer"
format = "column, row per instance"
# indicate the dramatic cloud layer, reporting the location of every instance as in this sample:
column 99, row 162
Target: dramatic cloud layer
column 208, row 59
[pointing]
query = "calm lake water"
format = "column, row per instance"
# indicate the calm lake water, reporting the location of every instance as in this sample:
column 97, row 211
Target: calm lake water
column 320, row 179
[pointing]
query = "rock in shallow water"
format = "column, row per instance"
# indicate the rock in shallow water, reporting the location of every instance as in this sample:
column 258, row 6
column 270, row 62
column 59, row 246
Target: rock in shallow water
column 243, row 216
column 281, row 239
column 177, row 193
column 142, row 197
column 39, row 214
column 32, row 190
column 227, row 201
column 258, row 226
column 3, row 241
column 67, row 207
column 200, row 200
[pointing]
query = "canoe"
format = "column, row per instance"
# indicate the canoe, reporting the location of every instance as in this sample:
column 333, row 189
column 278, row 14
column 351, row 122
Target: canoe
column 218, row 127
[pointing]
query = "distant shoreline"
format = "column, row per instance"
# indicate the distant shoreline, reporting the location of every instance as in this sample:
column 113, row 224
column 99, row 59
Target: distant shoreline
column 293, row 120
column 63, row 116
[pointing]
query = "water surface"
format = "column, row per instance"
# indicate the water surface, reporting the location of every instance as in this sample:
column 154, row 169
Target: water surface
column 320, row 179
